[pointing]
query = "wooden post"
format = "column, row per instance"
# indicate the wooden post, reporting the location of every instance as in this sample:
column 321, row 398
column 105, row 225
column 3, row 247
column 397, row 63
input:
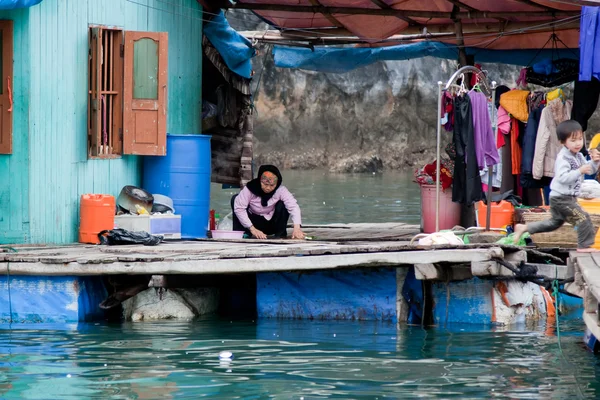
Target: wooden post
column 460, row 42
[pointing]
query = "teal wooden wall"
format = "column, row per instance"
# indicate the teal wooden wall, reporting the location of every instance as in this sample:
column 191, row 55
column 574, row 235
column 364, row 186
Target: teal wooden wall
column 14, row 184
column 56, row 59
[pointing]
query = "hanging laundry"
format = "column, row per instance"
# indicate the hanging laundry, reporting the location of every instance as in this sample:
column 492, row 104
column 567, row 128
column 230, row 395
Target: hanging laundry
column 466, row 187
column 551, row 73
column 515, row 102
column 585, row 101
column 496, row 174
column 529, row 138
column 547, row 145
column 515, row 147
column 500, row 90
column 536, row 99
column 485, row 143
column 508, row 179
column 589, row 39
column 447, row 111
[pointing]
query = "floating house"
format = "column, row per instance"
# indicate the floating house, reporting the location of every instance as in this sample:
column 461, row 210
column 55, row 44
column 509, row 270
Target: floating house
column 89, row 88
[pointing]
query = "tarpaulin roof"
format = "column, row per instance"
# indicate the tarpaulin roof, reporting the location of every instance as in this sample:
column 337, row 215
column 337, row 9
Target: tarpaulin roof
column 12, row 4
column 235, row 49
column 340, row 60
column 508, row 24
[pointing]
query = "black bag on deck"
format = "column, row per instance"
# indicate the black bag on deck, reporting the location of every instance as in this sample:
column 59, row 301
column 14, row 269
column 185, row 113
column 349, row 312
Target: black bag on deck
column 123, row 236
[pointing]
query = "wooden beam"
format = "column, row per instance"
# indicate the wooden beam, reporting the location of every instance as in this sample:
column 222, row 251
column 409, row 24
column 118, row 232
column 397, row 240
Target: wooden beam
column 460, row 42
column 338, row 36
column 251, row 265
column 534, row 4
column 396, row 13
column 385, row 6
column 462, row 5
column 442, row 272
column 591, row 274
column 591, row 321
column 329, row 17
column 432, row 28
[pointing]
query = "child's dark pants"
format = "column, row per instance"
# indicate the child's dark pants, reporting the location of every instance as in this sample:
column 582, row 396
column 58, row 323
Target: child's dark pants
column 566, row 209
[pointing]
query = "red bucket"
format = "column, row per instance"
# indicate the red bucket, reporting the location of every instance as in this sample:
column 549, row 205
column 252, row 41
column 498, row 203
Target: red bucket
column 449, row 215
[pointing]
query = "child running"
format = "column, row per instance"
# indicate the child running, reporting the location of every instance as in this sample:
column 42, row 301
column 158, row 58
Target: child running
column 569, row 170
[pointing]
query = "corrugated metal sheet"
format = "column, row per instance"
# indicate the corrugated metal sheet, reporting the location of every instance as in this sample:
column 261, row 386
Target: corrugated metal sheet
column 14, row 185
column 57, row 57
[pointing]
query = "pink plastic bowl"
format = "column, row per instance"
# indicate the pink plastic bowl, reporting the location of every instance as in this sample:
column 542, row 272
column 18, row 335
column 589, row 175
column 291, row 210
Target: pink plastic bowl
column 227, row 234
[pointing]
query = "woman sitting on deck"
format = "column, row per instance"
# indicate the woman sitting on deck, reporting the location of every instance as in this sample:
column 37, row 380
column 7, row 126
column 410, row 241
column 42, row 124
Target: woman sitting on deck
column 263, row 207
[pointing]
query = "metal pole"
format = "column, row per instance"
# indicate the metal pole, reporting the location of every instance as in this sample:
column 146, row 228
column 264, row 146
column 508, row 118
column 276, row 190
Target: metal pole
column 490, row 168
column 437, row 162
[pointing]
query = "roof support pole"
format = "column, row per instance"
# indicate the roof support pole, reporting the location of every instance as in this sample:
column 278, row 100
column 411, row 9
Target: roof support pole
column 460, row 42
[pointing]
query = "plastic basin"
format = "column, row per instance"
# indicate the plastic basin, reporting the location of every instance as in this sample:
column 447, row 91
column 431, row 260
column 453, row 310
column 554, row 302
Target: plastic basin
column 221, row 234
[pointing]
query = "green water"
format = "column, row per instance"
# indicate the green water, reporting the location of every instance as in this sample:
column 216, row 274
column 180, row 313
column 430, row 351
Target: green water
column 301, row 359
column 327, row 198
column 293, row 360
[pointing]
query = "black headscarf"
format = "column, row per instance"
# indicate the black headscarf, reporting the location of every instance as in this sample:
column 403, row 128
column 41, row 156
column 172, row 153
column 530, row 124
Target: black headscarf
column 500, row 90
column 256, row 189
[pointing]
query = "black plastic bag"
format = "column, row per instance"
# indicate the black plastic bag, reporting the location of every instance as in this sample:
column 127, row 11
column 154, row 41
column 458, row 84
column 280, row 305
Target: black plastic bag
column 123, row 236
column 506, row 196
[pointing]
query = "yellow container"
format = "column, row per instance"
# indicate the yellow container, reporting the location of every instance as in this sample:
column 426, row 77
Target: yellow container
column 592, row 207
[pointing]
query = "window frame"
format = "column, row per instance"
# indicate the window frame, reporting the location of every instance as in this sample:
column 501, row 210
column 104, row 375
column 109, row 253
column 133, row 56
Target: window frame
column 110, row 132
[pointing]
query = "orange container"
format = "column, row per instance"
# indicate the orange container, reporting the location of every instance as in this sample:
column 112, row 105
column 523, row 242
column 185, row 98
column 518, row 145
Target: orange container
column 96, row 213
column 502, row 214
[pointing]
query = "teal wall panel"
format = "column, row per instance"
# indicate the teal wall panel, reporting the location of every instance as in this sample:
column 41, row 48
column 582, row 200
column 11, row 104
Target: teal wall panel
column 59, row 171
column 14, row 185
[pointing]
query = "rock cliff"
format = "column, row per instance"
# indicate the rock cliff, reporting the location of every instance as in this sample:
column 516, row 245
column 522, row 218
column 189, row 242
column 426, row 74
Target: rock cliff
column 378, row 117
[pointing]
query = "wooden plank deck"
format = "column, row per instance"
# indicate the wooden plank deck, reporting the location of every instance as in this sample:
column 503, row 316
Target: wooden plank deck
column 351, row 245
column 588, row 265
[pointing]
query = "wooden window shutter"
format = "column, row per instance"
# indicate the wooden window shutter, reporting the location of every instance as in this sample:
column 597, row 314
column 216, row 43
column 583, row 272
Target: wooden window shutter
column 6, row 87
column 94, row 88
column 105, row 92
column 145, row 93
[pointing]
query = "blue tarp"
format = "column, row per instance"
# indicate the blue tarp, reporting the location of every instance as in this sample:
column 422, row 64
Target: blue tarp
column 12, row 4
column 338, row 60
column 326, row 295
column 235, row 49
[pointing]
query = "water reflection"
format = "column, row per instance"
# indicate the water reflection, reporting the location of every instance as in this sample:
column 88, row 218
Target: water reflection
column 294, row 359
column 327, row 198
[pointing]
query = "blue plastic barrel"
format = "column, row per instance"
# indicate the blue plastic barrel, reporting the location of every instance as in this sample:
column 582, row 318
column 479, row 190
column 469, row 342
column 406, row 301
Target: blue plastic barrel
column 183, row 175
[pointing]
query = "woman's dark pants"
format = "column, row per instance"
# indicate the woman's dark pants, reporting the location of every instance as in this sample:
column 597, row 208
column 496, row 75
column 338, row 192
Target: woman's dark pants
column 275, row 227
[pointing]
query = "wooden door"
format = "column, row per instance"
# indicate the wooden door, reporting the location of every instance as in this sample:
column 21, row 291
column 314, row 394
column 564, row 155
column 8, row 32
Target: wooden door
column 6, row 87
column 145, row 93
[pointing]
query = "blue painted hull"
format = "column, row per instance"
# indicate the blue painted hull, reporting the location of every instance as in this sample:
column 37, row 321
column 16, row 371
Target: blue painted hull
column 51, row 299
column 328, row 295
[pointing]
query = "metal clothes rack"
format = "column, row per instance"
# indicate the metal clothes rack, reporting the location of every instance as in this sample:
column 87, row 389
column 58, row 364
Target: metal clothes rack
column 482, row 80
